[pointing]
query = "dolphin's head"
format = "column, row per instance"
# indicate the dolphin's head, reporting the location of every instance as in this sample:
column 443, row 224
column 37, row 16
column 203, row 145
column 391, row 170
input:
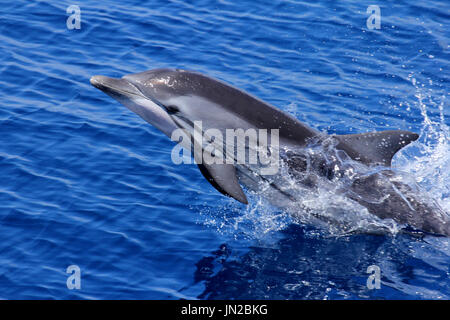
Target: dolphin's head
column 173, row 98
column 152, row 94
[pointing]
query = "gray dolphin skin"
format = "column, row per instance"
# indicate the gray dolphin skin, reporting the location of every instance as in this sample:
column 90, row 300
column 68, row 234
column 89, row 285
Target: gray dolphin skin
column 171, row 99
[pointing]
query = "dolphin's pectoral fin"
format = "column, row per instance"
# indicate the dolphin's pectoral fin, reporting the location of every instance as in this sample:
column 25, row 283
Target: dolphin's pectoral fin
column 223, row 178
column 375, row 147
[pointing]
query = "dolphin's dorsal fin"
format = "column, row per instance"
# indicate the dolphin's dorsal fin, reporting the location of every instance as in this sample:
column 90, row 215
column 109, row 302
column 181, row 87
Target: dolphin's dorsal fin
column 375, row 147
column 223, row 178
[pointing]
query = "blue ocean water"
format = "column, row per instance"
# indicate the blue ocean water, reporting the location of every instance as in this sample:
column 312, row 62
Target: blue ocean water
column 86, row 182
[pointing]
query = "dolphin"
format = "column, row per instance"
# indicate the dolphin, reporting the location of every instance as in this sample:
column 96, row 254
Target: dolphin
column 172, row 99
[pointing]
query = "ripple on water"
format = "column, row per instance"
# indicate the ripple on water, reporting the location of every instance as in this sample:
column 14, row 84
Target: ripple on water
column 86, row 182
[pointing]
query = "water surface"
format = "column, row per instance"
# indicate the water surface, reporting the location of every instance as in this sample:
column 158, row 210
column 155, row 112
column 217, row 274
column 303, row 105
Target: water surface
column 88, row 183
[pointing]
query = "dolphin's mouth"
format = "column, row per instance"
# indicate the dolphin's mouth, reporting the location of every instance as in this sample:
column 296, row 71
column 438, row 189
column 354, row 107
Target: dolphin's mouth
column 118, row 88
column 113, row 86
column 147, row 107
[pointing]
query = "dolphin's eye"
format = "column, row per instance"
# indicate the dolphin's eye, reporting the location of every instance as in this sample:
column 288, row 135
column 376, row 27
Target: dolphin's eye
column 172, row 109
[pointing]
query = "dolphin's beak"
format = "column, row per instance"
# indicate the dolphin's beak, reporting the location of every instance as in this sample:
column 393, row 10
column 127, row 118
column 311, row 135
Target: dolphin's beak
column 115, row 87
column 130, row 96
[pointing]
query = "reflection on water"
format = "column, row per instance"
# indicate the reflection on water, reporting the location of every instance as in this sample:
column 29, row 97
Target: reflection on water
column 306, row 265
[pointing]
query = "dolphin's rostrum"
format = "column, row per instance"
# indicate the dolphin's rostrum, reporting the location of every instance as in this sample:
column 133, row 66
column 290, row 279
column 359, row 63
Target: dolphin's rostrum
column 171, row 99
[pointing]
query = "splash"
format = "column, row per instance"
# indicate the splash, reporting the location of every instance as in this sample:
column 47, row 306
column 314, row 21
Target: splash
column 259, row 220
column 327, row 205
column 428, row 159
column 423, row 167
